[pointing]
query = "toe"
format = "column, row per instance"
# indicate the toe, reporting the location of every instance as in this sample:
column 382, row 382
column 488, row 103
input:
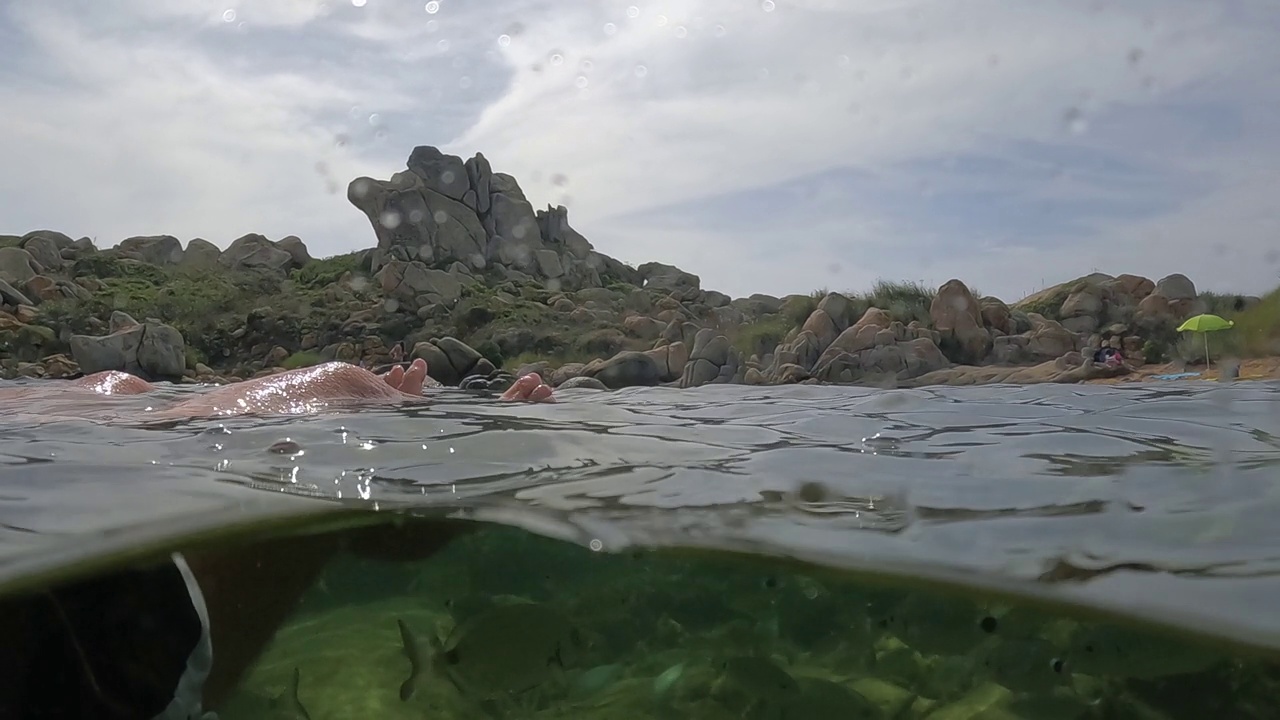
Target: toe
column 521, row 388
column 415, row 377
column 395, row 377
column 542, row 393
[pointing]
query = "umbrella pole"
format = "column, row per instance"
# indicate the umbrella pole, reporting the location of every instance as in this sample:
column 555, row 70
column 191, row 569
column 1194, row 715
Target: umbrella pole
column 1206, row 352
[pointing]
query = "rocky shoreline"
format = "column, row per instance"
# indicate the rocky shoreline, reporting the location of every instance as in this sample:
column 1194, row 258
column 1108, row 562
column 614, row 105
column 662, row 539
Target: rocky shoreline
column 469, row 276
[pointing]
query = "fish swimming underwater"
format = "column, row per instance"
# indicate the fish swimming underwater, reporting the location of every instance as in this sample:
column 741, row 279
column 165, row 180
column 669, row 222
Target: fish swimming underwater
column 286, row 705
column 506, row 649
column 752, row 686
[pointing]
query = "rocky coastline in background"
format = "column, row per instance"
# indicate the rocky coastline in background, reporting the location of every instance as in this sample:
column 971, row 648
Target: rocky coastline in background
column 469, row 276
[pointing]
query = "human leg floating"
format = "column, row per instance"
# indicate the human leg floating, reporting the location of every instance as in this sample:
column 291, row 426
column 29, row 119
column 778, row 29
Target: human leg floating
column 245, row 591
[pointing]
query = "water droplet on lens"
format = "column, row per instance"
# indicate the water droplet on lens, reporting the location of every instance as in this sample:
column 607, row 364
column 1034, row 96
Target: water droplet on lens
column 358, row 3
column 374, row 118
column 432, row 25
column 718, row 31
column 340, row 140
column 415, row 216
column 432, row 7
column 633, row 12
column 585, row 66
column 610, row 28
column 559, row 179
column 556, row 59
column 1075, row 121
column 229, row 15
column 464, row 82
column 443, row 45
column 504, row 40
column 680, row 31
column 767, row 5
column 389, row 219
column 446, row 177
column 812, row 491
column 843, row 61
column 440, row 217
column 285, row 447
column 641, row 71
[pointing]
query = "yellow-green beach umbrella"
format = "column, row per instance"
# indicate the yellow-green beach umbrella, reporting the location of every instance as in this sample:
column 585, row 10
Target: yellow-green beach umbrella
column 1205, row 324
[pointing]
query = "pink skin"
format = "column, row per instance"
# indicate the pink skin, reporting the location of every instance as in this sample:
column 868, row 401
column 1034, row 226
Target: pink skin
column 243, row 619
column 305, row 390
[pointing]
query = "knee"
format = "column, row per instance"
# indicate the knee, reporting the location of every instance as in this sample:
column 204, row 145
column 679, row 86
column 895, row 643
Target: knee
column 343, row 380
column 114, row 382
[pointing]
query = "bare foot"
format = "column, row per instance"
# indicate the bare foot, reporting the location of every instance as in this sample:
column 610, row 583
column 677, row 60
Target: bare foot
column 411, row 381
column 531, row 388
column 408, row 381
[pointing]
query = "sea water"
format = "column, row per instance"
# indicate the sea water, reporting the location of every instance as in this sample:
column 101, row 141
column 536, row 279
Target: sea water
column 732, row 552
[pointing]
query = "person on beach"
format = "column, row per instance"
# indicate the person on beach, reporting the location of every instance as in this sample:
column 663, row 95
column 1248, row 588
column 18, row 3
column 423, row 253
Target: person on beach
column 170, row 641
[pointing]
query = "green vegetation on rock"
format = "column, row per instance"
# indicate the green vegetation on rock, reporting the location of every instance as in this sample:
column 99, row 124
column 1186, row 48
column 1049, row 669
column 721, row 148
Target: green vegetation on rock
column 461, row 293
column 760, row 338
column 318, row 273
column 1258, row 328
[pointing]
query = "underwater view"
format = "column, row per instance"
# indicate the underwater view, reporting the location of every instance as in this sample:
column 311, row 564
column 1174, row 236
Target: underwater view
column 508, row 625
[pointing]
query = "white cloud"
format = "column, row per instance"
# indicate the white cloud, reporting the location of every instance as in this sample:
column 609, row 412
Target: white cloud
column 261, row 13
column 1137, row 124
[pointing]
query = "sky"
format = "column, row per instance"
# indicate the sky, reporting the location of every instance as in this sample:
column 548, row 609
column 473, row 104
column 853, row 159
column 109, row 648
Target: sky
column 772, row 146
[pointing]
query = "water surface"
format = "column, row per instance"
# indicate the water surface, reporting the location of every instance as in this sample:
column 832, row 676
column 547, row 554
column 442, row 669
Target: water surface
column 1144, row 503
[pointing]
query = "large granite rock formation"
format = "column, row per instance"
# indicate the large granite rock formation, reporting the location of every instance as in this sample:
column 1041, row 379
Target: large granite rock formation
column 442, row 211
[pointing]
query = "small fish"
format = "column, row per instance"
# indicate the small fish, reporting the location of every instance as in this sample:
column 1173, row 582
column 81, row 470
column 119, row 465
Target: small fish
column 759, row 677
column 594, row 680
column 818, row 698
column 934, row 625
column 1112, row 650
column 505, row 649
column 286, row 704
column 1031, row 666
column 754, row 686
column 667, row 680
column 413, row 652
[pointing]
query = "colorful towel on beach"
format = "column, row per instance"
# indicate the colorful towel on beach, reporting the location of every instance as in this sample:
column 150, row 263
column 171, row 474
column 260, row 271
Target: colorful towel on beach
column 1175, row 376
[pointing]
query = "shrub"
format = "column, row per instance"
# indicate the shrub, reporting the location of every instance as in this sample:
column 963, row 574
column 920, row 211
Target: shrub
column 318, row 274
column 490, row 350
column 761, row 338
column 1155, row 352
column 1257, row 329
column 301, row 359
column 797, row 308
